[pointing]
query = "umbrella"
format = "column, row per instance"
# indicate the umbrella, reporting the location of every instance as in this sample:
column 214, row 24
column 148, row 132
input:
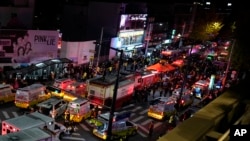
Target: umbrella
column 161, row 67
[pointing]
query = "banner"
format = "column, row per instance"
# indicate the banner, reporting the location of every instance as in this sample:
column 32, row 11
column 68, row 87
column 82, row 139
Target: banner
column 28, row 46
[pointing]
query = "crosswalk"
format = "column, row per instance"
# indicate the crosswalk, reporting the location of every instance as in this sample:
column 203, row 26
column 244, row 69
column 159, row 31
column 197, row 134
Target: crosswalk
column 4, row 115
column 73, row 137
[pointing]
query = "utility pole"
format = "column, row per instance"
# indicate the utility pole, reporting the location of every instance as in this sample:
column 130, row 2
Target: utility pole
column 182, row 33
column 149, row 32
column 112, row 109
column 99, row 48
column 185, row 77
column 228, row 64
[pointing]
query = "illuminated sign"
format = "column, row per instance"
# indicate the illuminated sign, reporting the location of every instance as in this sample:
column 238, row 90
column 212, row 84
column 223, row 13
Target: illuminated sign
column 133, row 21
column 131, row 33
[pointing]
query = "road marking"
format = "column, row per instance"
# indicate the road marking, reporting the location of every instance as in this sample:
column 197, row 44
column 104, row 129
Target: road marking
column 76, row 134
column 143, row 112
column 143, row 135
column 138, row 118
column 132, row 114
column 143, row 128
column 84, row 127
column 128, row 106
column 157, row 124
column 15, row 114
column 6, row 115
column 146, row 122
column 137, row 108
column 73, row 138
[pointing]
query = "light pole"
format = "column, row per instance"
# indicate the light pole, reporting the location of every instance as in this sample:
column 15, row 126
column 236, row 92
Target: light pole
column 228, row 64
column 99, row 48
column 185, row 77
column 112, row 109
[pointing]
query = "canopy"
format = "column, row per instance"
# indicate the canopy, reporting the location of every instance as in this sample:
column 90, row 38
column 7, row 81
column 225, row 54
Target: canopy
column 161, row 67
column 178, row 63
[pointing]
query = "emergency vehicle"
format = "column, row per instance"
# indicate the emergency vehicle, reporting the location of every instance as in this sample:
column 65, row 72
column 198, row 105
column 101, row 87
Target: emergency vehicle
column 60, row 87
column 53, row 107
column 184, row 100
column 30, row 121
column 163, row 108
column 62, row 83
column 6, row 93
column 29, row 96
column 200, row 89
column 121, row 126
column 144, row 79
column 75, row 90
column 101, row 91
column 79, row 109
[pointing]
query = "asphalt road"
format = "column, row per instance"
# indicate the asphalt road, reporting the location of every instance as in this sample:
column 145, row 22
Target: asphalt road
column 84, row 130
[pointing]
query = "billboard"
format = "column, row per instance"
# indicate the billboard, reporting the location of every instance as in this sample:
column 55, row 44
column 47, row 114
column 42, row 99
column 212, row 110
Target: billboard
column 28, row 46
column 132, row 21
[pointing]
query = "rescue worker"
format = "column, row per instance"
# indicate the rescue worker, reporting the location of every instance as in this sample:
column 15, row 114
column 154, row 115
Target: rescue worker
column 66, row 117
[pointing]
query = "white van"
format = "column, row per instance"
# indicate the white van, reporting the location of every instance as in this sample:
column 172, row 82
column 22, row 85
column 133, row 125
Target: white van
column 53, row 107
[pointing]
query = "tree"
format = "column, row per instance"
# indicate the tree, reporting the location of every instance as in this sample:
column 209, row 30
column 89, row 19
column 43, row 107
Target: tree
column 207, row 25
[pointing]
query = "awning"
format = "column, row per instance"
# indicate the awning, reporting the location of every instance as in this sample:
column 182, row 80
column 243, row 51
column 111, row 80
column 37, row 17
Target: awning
column 161, row 67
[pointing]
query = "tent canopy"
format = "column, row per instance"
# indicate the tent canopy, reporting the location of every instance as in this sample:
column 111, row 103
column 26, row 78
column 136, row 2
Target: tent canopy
column 161, row 67
column 178, row 63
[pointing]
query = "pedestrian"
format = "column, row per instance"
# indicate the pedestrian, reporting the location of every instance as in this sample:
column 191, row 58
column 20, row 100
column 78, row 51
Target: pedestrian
column 150, row 129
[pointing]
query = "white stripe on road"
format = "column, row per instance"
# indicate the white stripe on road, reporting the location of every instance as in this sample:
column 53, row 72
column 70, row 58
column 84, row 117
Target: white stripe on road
column 137, row 108
column 132, row 114
column 128, row 106
column 15, row 114
column 73, row 138
column 84, row 127
column 6, row 115
column 143, row 112
column 143, row 135
column 143, row 128
column 146, row 122
column 76, row 134
column 138, row 118
column 157, row 124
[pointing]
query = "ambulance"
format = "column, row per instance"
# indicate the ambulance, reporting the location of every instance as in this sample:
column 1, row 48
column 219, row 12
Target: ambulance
column 200, row 89
column 27, row 97
column 6, row 93
column 78, row 110
column 59, row 86
column 163, row 109
column 53, row 107
column 144, row 79
column 63, row 83
column 75, row 90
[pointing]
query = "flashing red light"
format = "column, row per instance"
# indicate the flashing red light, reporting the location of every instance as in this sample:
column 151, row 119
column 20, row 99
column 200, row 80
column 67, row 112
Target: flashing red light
column 182, row 101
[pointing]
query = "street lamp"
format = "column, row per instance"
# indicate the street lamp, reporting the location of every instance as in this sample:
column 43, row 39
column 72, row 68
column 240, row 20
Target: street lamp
column 112, row 109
